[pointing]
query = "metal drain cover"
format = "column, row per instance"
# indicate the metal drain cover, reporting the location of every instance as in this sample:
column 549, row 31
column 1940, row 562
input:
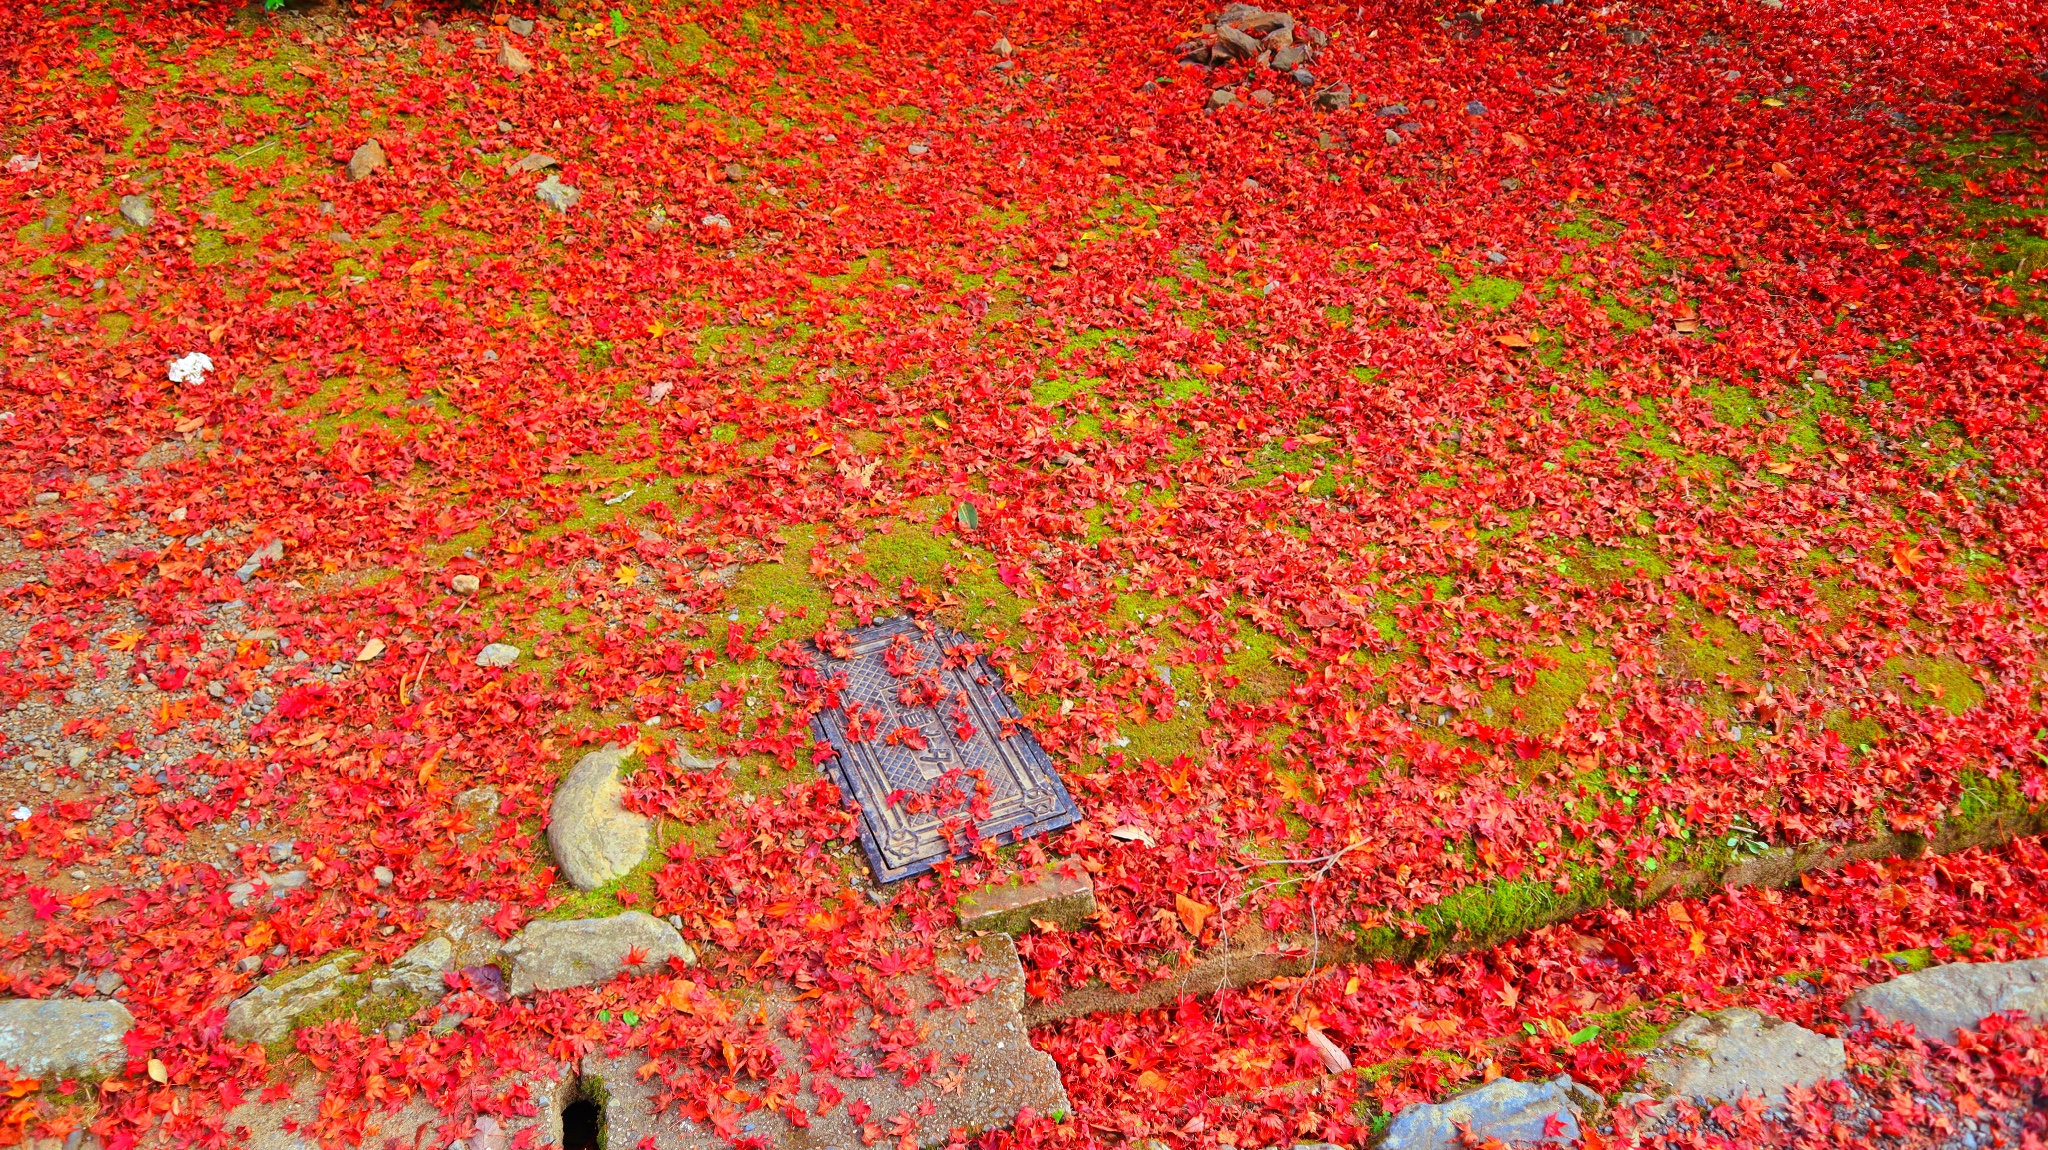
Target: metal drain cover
column 920, row 744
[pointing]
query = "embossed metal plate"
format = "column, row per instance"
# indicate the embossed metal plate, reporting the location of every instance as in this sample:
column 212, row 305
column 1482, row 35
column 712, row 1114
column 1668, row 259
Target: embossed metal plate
column 929, row 736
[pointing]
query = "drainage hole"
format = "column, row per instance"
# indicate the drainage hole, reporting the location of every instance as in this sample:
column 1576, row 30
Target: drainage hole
column 580, row 1121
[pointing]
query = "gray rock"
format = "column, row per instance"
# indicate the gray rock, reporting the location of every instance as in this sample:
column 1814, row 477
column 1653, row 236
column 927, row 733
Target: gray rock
column 1630, row 1100
column 534, row 162
column 1334, row 98
column 595, row 839
column 558, row 195
column 737, row 172
column 497, row 654
column 368, row 160
column 138, row 212
column 580, row 952
column 519, row 26
column 465, row 584
column 1394, row 110
column 1303, row 77
column 1942, row 1000
column 1584, row 1099
column 418, row 971
column 513, row 60
column 1715, row 1058
column 109, row 984
column 1291, row 57
column 1511, row 1111
column 240, row 893
column 63, row 1038
column 1263, row 98
column 1475, row 108
column 383, row 876
column 684, row 759
column 267, row 554
column 1635, row 37
column 716, row 220
column 268, row 1013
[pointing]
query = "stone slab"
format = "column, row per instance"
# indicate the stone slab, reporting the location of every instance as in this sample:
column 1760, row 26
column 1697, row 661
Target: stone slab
column 1943, row 1000
column 958, row 715
column 1003, row 1073
column 1515, row 1112
column 1061, row 893
column 1717, row 1058
column 418, row 1122
column 553, row 955
column 267, row 1013
column 61, row 1038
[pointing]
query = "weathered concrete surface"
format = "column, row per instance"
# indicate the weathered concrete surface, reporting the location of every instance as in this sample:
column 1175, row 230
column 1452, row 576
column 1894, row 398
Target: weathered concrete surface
column 417, row 1122
column 60, row 1038
column 1511, row 1111
column 1062, row 893
column 1002, row 1075
column 1716, row 1058
column 1942, row 1000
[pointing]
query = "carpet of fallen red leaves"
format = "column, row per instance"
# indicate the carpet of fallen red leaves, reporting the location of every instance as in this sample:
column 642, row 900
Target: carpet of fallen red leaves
column 1298, row 429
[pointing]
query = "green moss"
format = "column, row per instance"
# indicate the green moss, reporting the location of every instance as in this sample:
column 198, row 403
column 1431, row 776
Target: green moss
column 1489, row 291
column 1049, row 392
column 1550, row 697
column 1163, row 742
column 1583, row 229
column 1260, row 677
column 1943, row 681
column 1484, row 914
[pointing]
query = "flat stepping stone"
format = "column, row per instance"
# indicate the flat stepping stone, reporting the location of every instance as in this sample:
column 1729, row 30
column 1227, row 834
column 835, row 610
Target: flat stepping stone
column 63, row 1038
column 585, row 951
column 415, row 1122
column 1003, row 1074
column 1717, row 1058
column 884, row 745
column 595, row 839
column 1943, row 1001
column 1505, row 1109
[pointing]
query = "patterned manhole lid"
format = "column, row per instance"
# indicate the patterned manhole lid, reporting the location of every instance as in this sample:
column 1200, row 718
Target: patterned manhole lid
column 931, row 748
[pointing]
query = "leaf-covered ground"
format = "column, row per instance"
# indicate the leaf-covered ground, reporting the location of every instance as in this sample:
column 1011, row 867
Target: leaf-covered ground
column 1606, row 452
